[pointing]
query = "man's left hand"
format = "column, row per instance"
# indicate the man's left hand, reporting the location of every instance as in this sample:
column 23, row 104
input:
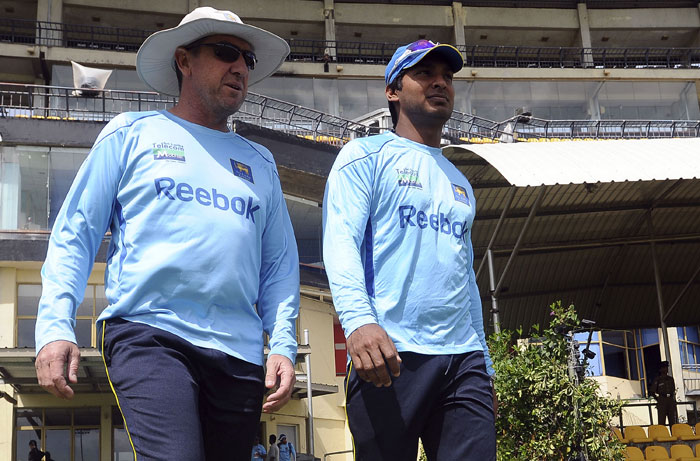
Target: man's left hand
column 280, row 376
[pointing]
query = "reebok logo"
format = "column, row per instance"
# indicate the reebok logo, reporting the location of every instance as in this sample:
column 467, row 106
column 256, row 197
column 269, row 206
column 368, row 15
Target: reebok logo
column 168, row 188
column 410, row 217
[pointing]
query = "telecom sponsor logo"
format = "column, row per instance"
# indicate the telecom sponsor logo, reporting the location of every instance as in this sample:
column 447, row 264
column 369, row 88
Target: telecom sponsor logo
column 168, row 151
column 460, row 194
column 168, row 188
column 242, row 170
column 408, row 177
column 409, row 216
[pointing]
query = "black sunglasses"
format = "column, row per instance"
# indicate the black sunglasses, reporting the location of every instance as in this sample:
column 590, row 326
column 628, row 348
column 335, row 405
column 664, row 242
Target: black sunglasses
column 227, row 52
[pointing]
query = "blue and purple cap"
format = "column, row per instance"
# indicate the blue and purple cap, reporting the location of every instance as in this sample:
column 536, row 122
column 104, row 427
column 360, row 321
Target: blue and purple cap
column 411, row 54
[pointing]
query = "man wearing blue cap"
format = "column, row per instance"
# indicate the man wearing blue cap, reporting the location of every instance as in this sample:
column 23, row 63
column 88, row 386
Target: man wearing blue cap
column 397, row 250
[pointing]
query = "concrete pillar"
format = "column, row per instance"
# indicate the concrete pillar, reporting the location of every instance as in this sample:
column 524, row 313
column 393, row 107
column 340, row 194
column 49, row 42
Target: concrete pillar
column 585, row 30
column 459, row 17
column 696, row 41
column 192, row 4
column 49, row 11
column 329, row 25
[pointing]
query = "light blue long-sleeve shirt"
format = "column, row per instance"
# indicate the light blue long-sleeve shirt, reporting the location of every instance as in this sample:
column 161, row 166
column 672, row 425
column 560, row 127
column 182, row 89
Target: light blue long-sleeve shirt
column 202, row 245
column 397, row 220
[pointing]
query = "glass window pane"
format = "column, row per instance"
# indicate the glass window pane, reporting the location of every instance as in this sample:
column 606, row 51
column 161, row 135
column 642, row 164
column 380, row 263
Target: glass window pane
column 614, row 361
column 692, row 334
column 117, row 419
column 634, row 371
column 28, row 417
column 640, row 361
column 83, row 333
column 630, row 339
column 681, row 333
column 23, row 438
column 23, row 188
column 58, row 443
column 122, row 446
column 594, row 365
column 25, row 332
column 582, row 337
column 696, row 359
column 614, row 337
column 684, row 352
column 650, row 336
column 85, row 307
column 100, row 299
column 87, row 444
column 86, row 417
column 57, row 416
column 64, row 166
column 28, row 299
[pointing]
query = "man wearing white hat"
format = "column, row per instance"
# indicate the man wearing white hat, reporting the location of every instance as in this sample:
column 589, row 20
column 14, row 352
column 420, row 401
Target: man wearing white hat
column 202, row 258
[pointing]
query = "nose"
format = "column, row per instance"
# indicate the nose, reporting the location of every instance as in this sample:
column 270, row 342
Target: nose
column 239, row 66
column 440, row 81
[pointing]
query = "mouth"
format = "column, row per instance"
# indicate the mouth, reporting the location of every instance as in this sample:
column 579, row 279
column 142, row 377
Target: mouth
column 439, row 97
column 235, row 86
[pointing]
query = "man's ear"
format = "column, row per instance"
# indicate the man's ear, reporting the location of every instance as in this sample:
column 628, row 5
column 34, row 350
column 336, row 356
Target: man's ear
column 182, row 60
column 391, row 94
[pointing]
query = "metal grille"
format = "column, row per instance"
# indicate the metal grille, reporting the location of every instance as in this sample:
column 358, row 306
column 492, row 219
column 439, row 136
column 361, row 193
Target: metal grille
column 61, row 103
column 129, row 40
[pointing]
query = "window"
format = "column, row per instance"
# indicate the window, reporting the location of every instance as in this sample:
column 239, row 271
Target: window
column 619, row 357
column 689, row 344
column 68, row 433
column 24, row 188
column 94, row 302
column 122, row 449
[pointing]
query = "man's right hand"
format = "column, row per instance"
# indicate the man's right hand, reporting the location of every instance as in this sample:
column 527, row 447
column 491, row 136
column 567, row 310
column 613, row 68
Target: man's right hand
column 371, row 350
column 51, row 367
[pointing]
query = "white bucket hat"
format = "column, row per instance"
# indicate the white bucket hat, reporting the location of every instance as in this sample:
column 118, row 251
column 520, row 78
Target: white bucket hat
column 155, row 61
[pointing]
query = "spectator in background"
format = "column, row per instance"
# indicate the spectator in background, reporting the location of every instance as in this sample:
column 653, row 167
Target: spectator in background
column 273, row 453
column 287, row 451
column 663, row 389
column 258, row 453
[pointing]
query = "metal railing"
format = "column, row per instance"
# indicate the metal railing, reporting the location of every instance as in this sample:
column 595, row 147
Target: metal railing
column 526, row 128
column 63, row 103
column 71, row 35
column 504, row 56
column 691, row 405
column 580, row 58
column 126, row 39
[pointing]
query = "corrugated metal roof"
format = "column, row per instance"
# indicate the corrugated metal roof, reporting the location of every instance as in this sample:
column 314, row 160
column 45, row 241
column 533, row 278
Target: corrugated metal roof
column 589, row 244
column 580, row 162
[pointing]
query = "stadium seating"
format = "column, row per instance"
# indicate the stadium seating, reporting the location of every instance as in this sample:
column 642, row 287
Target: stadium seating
column 659, row 433
column 636, row 434
column 684, row 432
column 683, row 453
column 618, row 434
column 656, row 453
column 634, row 454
